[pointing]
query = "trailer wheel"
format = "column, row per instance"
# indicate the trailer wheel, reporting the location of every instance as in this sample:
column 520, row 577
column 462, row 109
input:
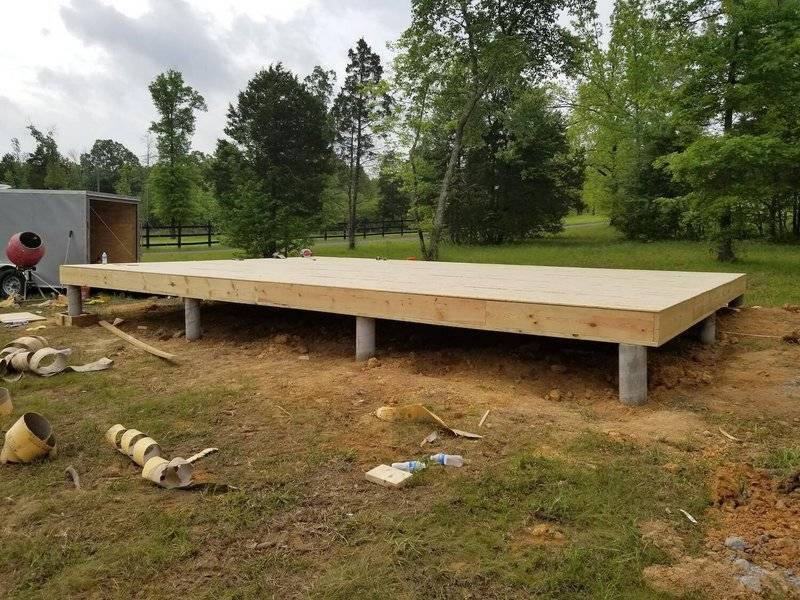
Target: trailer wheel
column 11, row 282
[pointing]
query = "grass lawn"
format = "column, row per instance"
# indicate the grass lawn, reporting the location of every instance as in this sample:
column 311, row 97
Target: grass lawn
column 773, row 269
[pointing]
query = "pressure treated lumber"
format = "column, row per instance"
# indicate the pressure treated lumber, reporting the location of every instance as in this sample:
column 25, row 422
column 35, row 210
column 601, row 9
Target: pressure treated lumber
column 645, row 308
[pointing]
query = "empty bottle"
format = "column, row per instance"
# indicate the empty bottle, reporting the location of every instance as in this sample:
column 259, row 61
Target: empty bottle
column 104, row 258
column 450, row 460
column 410, row 465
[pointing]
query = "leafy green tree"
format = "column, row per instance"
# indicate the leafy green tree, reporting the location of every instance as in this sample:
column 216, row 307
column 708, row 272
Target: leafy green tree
column 173, row 179
column 103, row 163
column 357, row 111
column 270, row 178
column 393, row 199
column 741, row 85
column 45, row 165
column 459, row 50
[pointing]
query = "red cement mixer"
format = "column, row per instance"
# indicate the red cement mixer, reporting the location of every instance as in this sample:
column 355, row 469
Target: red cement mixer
column 25, row 250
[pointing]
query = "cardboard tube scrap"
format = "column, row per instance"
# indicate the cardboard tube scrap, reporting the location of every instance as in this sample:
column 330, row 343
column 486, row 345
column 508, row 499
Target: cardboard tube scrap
column 146, row 452
column 31, row 354
column 145, row 449
column 30, row 438
column 6, row 407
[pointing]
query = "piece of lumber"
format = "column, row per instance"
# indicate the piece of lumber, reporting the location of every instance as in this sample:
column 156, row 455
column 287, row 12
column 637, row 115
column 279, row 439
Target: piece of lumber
column 388, row 476
column 82, row 320
column 21, row 317
column 138, row 343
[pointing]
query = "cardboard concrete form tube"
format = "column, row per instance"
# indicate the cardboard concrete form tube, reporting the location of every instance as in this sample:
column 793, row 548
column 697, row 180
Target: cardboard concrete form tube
column 30, row 438
column 6, row 407
column 175, row 473
column 114, row 435
column 418, row 413
column 129, row 438
column 145, row 449
column 31, row 343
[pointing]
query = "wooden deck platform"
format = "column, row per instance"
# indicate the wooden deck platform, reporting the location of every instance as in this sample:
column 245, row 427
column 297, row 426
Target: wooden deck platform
column 642, row 308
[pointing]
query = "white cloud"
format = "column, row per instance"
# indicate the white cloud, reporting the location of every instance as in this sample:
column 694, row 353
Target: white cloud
column 82, row 66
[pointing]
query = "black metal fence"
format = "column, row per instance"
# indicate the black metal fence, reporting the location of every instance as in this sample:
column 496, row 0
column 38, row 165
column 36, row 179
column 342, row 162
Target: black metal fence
column 156, row 236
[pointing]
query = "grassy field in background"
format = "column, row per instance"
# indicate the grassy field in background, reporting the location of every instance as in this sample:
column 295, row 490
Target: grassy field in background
column 773, row 269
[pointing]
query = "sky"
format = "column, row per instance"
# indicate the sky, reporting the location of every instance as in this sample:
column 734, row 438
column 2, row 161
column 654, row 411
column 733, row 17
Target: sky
column 81, row 67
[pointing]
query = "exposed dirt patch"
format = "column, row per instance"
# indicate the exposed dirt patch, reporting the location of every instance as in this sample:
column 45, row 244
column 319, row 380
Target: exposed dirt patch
column 748, row 504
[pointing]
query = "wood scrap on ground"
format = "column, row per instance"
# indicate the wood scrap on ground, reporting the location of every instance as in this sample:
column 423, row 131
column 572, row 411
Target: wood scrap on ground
column 388, row 476
column 138, row 343
column 20, row 318
column 728, row 435
column 417, row 412
column 483, row 418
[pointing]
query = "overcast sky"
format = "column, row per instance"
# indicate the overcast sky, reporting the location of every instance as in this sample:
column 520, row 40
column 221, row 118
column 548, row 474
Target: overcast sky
column 81, row 67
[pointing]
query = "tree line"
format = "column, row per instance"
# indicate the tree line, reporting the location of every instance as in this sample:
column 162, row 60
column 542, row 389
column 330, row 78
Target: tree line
column 680, row 122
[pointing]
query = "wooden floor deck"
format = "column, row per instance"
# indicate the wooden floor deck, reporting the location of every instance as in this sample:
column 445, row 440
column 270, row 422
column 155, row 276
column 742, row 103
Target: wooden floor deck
column 644, row 308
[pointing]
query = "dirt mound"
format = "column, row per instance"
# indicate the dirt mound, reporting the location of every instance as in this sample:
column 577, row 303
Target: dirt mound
column 749, row 504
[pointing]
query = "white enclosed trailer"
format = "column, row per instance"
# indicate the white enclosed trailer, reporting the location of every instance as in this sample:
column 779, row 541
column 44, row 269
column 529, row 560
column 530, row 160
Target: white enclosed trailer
column 77, row 227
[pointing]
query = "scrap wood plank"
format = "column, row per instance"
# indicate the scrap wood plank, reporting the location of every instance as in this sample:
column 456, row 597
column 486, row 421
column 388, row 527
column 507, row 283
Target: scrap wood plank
column 20, row 317
column 138, row 343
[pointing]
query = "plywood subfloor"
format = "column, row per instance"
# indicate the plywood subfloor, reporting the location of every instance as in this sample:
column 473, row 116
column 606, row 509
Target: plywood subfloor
column 616, row 305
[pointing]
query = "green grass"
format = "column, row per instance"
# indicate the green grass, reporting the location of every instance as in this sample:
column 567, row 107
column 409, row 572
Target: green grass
column 773, row 269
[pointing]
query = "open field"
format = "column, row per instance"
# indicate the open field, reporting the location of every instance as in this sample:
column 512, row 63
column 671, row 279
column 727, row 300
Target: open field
column 568, row 495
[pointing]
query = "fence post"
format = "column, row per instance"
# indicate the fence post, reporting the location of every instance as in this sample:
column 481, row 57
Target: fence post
column 209, row 235
column 366, row 224
column 179, row 236
column 147, row 235
column 383, row 227
column 401, row 226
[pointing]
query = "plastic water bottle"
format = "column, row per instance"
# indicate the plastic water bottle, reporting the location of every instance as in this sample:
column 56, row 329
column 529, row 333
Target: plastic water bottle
column 410, row 465
column 104, row 258
column 450, row 460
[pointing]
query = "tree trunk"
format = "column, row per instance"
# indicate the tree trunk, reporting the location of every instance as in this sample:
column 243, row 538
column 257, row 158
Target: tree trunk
column 725, row 251
column 356, row 178
column 441, row 203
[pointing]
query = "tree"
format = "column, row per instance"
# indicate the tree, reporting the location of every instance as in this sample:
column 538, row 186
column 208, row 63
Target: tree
column 393, row 200
column 45, row 164
column 173, row 178
column 103, row 163
column 458, row 50
column 270, row 178
column 357, row 111
column 520, row 178
column 741, row 86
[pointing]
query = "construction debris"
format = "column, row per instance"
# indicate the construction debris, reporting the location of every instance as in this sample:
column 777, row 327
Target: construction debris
column 29, row 439
column 430, row 438
column 6, row 407
column 18, row 319
column 417, row 412
column 145, row 452
column 728, row 435
column 388, row 476
column 688, row 516
column 31, row 354
column 71, row 475
column 9, row 302
column 138, row 343
column 483, row 418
